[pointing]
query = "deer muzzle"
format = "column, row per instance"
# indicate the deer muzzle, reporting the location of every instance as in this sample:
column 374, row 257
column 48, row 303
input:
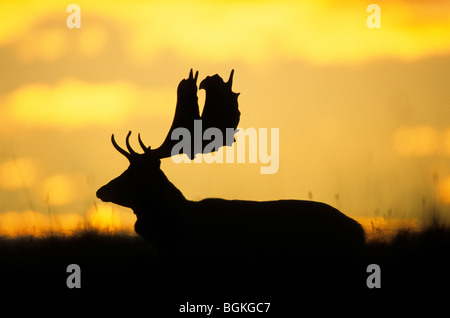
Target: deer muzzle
column 102, row 194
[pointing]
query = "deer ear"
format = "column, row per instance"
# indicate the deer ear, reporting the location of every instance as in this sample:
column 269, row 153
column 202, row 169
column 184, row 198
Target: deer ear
column 158, row 163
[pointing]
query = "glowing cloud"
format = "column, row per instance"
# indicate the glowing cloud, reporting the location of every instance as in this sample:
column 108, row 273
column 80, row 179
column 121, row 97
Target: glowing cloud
column 59, row 190
column 101, row 218
column 92, row 40
column 48, row 44
column 28, row 222
column 17, row 173
column 319, row 31
column 416, row 141
column 446, row 142
column 105, row 218
column 444, row 190
column 71, row 103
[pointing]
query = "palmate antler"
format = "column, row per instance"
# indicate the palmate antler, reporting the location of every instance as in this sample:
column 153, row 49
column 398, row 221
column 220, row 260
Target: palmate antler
column 220, row 111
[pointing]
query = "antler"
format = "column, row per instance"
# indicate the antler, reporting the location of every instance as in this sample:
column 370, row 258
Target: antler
column 221, row 105
column 186, row 112
column 122, row 151
column 220, row 111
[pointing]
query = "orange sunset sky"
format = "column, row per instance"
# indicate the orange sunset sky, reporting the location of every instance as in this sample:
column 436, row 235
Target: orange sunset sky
column 363, row 114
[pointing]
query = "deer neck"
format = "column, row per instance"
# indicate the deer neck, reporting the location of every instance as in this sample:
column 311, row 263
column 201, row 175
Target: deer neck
column 159, row 216
column 165, row 200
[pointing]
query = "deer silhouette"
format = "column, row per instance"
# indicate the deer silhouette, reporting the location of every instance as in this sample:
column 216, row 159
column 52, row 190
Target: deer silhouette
column 173, row 223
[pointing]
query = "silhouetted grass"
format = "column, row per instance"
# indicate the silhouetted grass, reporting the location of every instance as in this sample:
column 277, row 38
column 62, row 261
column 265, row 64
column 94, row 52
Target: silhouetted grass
column 413, row 263
column 90, row 242
column 37, row 266
column 416, row 262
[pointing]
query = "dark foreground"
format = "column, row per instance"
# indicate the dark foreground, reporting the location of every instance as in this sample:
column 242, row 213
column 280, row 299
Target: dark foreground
column 412, row 265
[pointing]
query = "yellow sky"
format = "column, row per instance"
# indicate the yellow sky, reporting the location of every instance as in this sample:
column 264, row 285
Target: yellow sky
column 362, row 113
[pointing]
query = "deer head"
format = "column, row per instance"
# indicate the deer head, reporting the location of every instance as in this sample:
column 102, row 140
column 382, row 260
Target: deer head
column 143, row 183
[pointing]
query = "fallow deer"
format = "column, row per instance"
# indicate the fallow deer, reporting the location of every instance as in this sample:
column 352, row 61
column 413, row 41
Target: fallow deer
column 173, row 223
